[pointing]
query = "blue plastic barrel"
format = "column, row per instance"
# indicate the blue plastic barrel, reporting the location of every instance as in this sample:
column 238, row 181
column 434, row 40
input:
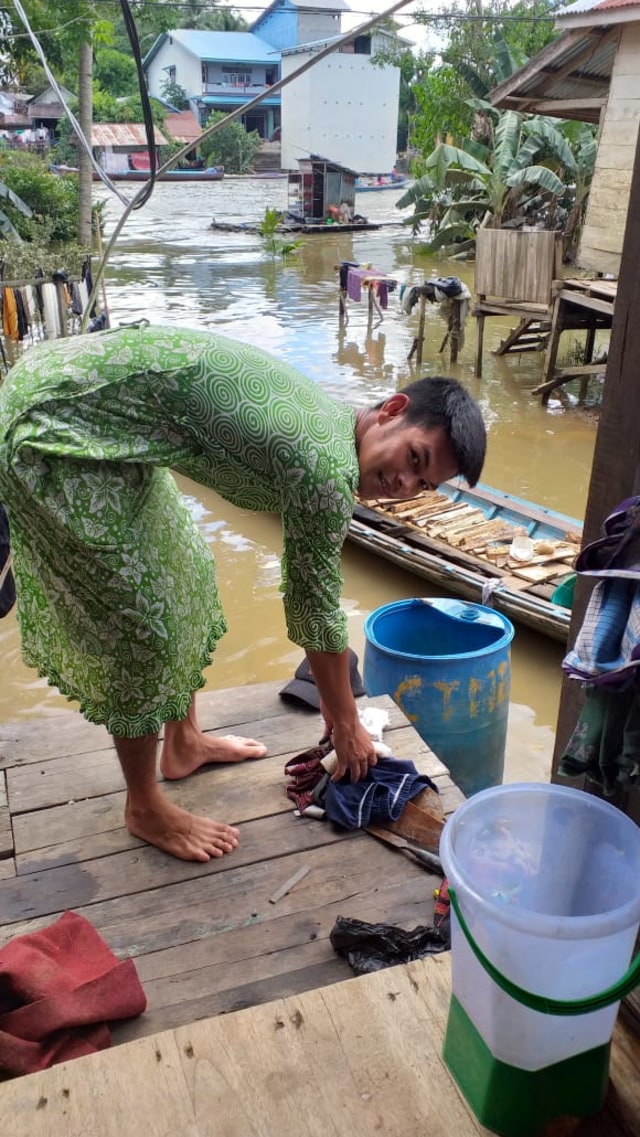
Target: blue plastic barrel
column 446, row 663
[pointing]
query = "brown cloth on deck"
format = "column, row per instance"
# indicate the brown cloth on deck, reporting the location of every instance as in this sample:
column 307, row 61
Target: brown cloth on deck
column 59, row 988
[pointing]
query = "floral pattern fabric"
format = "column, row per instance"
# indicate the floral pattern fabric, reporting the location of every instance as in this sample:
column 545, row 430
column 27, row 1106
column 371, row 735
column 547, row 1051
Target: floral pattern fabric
column 117, row 600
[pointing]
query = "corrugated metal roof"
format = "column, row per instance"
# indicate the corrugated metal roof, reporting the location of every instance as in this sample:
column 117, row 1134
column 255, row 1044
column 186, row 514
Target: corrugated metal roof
column 576, row 68
column 595, row 6
column 232, row 47
column 123, row 134
column 182, row 126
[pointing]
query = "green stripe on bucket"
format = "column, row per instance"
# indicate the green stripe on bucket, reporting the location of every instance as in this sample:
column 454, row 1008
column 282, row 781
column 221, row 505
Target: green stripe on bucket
column 540, row 1003
column 515, row 1102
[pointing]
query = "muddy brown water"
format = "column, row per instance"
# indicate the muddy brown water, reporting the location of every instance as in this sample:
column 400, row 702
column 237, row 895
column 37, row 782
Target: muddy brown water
column 171, row 267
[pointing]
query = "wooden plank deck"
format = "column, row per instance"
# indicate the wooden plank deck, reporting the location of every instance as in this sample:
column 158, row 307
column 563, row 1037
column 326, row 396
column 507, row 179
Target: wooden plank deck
column 205, row 938
column 306, row 1047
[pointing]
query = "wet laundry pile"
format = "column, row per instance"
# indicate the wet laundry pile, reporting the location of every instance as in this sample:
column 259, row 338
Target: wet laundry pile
column 605, row 744
column 59, row 988
column 380, row 796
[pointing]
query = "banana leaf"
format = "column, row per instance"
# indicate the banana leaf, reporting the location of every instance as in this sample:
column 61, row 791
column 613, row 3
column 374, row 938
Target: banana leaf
column 507, row 139
column 537, row 175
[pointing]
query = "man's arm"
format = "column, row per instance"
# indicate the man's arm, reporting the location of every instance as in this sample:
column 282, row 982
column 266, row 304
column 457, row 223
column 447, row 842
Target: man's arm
column 352, row 743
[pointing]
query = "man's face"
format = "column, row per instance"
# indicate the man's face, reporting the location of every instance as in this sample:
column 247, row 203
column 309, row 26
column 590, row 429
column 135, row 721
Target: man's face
column 400, row 460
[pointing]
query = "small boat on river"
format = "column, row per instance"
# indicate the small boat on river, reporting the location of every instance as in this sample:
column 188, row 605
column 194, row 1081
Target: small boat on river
column 374, row 185
column 481, row 544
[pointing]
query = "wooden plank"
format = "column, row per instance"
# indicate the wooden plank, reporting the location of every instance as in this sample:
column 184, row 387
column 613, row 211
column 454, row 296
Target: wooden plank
column 67, row 781
column 594, row 303
column 7, row 868
column 69, row 885
column 376, row 1040
column 93, row 827
column 249, row 1074
column 6, row 831
column 228, row 916
column 69, row 733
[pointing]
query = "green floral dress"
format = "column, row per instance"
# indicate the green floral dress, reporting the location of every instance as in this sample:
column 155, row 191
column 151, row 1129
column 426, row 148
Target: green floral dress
column 117, row 601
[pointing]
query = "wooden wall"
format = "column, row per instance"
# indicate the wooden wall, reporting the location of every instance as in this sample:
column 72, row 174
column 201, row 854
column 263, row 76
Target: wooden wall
column 517, row 264
column 601, row 243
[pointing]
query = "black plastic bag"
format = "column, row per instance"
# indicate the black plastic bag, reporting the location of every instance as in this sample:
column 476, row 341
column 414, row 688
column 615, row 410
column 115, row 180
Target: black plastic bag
column 371, row 947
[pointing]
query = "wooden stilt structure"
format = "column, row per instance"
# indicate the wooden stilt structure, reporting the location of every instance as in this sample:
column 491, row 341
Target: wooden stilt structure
column 579, row 305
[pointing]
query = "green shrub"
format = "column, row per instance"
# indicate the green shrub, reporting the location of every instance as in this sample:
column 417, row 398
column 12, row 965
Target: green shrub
column 53, row 200
column 231, row 146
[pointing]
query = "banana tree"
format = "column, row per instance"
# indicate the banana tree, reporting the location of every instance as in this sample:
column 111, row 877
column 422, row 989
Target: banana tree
column 530, row 161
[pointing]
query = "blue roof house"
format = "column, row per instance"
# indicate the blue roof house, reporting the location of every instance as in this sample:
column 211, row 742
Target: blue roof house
column 219, row 71
column 344, row 109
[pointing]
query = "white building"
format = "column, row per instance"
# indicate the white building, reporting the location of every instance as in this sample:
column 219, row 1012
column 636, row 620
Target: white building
column 344, row 108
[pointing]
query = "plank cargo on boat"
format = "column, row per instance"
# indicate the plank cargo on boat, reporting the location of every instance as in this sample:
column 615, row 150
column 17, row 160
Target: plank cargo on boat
column 461, row 539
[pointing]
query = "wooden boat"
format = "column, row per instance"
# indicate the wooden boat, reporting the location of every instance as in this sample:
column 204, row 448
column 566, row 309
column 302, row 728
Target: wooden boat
column 375, row 187
column 209, row 174
column 461, row 540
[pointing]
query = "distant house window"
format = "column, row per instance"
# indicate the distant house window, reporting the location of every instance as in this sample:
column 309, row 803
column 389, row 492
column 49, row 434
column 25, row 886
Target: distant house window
column 362, row 45
column 171, row 74
column 235, row 77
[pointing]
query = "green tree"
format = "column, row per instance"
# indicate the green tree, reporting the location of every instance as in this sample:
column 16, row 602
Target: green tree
column 441, row 109
column 115, row 72
column 231, row 146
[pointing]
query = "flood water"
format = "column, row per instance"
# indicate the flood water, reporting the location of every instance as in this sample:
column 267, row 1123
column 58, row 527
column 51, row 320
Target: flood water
column 171, row 267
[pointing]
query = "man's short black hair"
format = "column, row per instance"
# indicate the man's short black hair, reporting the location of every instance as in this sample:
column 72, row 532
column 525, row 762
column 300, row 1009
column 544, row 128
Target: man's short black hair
column 439, row 401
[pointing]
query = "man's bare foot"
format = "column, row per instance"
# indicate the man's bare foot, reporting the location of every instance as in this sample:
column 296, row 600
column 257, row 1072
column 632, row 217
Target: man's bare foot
column 184, row 751
column 182, row 834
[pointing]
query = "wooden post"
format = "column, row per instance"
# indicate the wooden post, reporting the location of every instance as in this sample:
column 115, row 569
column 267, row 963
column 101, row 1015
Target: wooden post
column 479, row 337
column 552, row 347
column 615, row 473
column 420, row 343
column 369, row 308
column 589, row 343
column 62, row 307
column 454, row 331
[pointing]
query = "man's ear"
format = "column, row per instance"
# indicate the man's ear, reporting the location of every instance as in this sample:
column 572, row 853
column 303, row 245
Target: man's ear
column 393, row 406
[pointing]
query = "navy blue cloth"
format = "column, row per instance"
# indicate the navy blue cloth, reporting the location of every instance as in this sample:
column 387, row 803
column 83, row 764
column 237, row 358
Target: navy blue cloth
column 381, row 796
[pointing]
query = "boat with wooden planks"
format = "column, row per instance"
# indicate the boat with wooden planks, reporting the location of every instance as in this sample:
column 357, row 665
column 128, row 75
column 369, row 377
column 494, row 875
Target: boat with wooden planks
column 462, row 540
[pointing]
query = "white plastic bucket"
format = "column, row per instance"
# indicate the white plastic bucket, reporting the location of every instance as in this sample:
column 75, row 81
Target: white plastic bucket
column 547, row 881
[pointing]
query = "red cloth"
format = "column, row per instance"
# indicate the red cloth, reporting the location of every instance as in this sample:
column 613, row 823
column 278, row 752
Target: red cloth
column 58, row 990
